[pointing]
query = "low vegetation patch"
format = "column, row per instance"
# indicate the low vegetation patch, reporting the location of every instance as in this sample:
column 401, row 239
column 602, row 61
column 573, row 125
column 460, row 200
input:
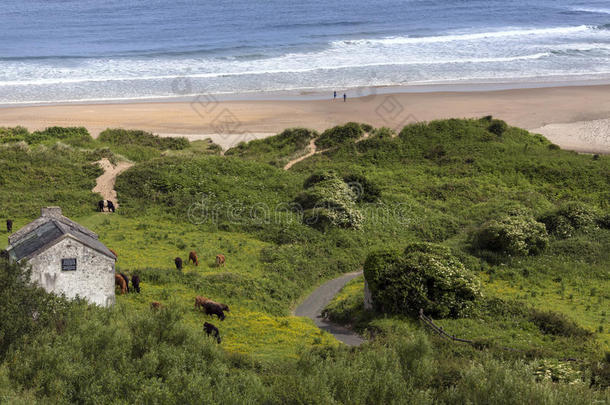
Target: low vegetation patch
column 554, row 323
column 118, row 136
column 339, row 135
column 276, row 150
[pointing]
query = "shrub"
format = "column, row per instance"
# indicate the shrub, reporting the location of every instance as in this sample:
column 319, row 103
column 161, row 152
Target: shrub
column 24, row 308
column 497, row 127
column 511, row 235
column 604, row 221
column 601, row 373
column 328, row 202
column 339, row 135
column 118, row 136
column 425, row 276
column 14, row 134
column 318, row 177
column 364, row 189
column 554, row 323
column 383, row 133
column 366, row 127
column 569, row 218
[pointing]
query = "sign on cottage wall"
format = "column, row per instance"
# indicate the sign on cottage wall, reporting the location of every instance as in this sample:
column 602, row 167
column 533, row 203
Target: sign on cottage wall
column 68, row 264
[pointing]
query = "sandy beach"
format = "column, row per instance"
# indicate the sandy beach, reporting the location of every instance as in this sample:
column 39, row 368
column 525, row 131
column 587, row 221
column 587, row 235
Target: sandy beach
column 574, row 117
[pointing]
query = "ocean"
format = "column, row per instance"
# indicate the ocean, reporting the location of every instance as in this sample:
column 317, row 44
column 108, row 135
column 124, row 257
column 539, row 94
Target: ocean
column 85, row 50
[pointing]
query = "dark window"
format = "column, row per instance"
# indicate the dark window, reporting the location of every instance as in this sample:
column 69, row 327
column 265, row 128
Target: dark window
column 68, row 264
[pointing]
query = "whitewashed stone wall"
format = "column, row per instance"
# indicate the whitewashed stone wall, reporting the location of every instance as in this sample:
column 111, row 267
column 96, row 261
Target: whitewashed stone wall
column 92, row 280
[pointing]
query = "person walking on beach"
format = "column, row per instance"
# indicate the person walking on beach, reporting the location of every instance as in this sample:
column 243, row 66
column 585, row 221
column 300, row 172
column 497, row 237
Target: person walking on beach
column 334, row 95
column 344, row 97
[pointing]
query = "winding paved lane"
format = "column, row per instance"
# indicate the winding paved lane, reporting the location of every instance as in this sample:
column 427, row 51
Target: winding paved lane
column 314, row 304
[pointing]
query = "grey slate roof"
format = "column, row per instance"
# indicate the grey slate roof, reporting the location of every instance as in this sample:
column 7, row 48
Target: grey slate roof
column 45, row 231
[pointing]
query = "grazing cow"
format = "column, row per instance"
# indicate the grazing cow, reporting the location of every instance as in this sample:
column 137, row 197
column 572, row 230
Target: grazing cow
column 103, row 204
column 212, row 330
column 9, row 225
column 135, row 283
column 220, row 260
column 120, row 281
column 211, row 307
column 126, row 280
column 178, row 262
column 156, row 305
column 193, row 258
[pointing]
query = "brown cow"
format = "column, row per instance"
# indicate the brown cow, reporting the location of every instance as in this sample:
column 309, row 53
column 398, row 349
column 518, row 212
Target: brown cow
column 211, row 307
column 156, row 305
column 193, row 258
column 178, row 263
column 220, row 260
column 120, row 281
column 114, row 253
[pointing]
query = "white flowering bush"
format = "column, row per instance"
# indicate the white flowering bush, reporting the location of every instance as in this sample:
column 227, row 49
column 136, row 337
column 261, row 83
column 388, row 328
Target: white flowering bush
column 424, row 276
column 512, row 235
column 557, row 371
column 329, row 201
column 570, row 218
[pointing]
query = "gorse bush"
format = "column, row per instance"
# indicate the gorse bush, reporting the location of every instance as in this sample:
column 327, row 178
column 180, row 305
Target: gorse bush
column 118, row 136
column 569, row 218
column 424, row 276
column 511, row 235
column 339, row 135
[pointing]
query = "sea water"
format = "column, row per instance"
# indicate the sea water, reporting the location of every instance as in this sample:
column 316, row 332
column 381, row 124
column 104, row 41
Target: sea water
column 85, row 50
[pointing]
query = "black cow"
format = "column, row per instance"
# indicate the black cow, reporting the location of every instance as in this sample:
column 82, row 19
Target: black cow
column 214, row 308
column 126, row 280
column 135, row 282
column 103, row 204
column 9, row 225
column 178, row 262
column 212, row 330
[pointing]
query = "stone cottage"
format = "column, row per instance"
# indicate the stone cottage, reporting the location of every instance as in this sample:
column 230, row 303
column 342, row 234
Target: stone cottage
column 65, row 257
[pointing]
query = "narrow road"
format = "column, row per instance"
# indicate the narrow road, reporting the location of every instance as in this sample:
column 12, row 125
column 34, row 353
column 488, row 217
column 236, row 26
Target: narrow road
column 314, row 304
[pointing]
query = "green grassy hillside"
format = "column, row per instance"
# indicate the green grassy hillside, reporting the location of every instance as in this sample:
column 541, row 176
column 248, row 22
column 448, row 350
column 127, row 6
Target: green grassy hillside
column 438, row 182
